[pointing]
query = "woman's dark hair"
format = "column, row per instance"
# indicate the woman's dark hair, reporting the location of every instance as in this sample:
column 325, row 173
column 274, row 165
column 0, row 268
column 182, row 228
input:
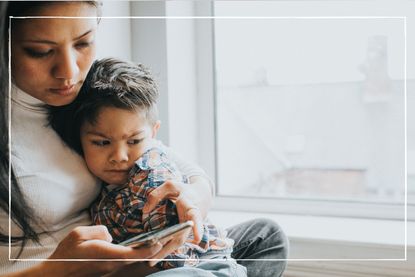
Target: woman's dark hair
column 110, row 83
column 21, row 213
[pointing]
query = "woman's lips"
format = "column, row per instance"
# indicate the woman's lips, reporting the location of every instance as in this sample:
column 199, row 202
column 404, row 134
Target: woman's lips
column 64, row 91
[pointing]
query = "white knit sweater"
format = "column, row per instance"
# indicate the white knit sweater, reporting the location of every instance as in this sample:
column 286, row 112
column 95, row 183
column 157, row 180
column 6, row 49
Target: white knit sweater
column 54, row 180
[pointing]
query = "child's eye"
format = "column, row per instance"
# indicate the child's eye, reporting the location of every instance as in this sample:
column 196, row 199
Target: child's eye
column 134, row 141
column 101, row 142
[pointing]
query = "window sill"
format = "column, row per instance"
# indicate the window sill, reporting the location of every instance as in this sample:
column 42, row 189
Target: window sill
column 336, row 238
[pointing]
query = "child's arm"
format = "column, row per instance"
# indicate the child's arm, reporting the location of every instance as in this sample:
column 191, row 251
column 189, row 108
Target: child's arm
column 193, row 201
column 202, row 189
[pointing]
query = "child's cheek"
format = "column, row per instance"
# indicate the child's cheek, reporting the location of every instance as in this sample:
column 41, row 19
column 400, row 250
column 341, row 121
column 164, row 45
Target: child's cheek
column 90, row 162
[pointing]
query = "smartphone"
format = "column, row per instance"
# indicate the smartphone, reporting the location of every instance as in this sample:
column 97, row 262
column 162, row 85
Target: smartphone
column 150, row 238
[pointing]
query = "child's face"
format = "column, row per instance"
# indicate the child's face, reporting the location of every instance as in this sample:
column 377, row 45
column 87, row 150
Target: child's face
column 117, row 139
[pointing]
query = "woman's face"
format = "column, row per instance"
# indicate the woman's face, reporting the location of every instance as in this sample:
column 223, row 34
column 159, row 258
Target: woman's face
column 50, row 57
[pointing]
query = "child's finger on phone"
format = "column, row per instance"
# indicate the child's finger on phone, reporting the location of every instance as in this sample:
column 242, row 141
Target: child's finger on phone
column 189, row 211
column 194, row 215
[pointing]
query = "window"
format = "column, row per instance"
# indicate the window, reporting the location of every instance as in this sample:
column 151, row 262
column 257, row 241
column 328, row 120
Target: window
column 311, row 108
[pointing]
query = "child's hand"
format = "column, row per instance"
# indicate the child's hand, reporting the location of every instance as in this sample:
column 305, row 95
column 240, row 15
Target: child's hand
column 180, row 194
column 188, row 211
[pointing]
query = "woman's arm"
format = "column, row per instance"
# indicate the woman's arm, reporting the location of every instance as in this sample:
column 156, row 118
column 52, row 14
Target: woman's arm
column 190, row 170
column 34, row 271
column 88, row 242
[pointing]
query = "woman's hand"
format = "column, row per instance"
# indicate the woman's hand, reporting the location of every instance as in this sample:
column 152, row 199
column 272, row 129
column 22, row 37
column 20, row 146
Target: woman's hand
column 189, row 200
column 92, row 242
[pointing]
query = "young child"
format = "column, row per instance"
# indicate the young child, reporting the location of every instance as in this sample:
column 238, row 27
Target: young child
column 113, row 125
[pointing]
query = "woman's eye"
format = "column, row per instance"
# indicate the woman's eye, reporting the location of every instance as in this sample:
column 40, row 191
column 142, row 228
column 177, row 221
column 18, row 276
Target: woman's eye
column 134, row 141
column 82, row 45
column 38, row 54
column 100, row 142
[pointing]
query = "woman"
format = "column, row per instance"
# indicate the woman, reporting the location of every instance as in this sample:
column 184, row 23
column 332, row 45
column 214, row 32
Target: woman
column 50, row 58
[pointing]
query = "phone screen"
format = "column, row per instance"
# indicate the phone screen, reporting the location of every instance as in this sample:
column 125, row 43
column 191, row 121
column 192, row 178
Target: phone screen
column 153, row 237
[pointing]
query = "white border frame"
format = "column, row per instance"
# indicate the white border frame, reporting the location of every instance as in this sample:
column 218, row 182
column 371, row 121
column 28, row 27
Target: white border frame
column 195, row 17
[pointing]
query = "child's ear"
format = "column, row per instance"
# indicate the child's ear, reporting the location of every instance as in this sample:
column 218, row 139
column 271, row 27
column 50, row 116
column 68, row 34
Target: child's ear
column 156, row 127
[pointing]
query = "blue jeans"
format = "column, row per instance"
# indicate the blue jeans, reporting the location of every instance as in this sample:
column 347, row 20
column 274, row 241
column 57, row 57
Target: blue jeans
column 260, row 239
column 211, row 268
column 254, row 239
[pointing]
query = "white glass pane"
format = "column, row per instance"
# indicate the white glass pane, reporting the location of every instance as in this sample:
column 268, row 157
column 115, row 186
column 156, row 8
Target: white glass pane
column 310, row 108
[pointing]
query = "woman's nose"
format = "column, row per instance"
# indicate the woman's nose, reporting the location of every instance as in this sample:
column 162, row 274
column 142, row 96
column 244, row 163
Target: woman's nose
column 119, row 155
column 66, row 66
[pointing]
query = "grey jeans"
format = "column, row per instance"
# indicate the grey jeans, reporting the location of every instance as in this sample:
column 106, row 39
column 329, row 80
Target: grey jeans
column 254, row 239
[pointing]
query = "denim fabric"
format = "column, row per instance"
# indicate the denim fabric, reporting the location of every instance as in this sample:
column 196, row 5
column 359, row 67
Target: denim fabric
column 211, row 268
column 254, row 239
column 260, row 239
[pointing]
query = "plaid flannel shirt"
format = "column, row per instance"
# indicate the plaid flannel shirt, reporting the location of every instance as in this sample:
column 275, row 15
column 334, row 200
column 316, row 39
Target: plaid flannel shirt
column 120, row 209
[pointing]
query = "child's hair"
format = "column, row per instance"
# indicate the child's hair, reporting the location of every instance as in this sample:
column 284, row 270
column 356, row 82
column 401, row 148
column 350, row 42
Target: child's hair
column 109, row 83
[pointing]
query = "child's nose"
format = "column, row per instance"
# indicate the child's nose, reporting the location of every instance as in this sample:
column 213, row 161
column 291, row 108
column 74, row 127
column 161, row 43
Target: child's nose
column 119, row 155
